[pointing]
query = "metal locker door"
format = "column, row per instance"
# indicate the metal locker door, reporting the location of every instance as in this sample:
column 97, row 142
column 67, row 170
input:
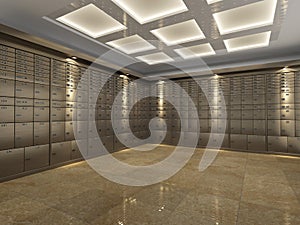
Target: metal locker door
column 193, row 125
column 41, row 114
column 7, row 137
column 7, row 114
column 247, row 127
column 259, row 114
column 277, row 144
column 24, row 114
column 236, row 114
column 238, row 141
column 7, row 101
column 81, row 129
column 256, row 143
column 294, row 145
column 259, row 99
column 204, row 127
column 60, row 152
column 58, row 114
column 247, row 99
column 82, row 96
column 274, row 127
column 69, row 114
column 70, row 95
column 75, row 152
column 101, row 126
column 58, row 131
column 247, row 114
column 203, row 139
column 41, row 91
column 41, row 133
column 58, row 93
column 235, row 126
column 287, row 98
column 287, row 114
column 23, row 134
column 108, row 142
column 82, row 114
column 11, row 162
column 273, row 114
column 288, row 128
column 69, row 131
column 7, row 88
column 259, row 127
column 36, row 157
column 24, row 90
column 273, row 98
column 298, row 128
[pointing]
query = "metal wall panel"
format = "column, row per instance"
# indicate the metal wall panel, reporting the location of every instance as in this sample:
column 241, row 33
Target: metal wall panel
column 41, row 114
column 36, row 157
column 277, row 144
column 75, row 152
column 7, row 138
column 24, row 114
column 69, row 131
column 7, row 101
column 294, row 145
column 58, row 114
column 7, row 88
column 57, row 131
column 235, row 126
column 41, row 133
column 259, row 127
column 288, row 128
column 7, row 114
column 24, row 90
column 60, row 152
column 238, row 141
column 41, row 91
column 11, row 162
column 23, row 134
column 274, row 127
column 256, row 143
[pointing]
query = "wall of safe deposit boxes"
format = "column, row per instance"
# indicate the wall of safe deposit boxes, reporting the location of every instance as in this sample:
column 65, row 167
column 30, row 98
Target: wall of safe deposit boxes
column 39, row 110
column 263, row 111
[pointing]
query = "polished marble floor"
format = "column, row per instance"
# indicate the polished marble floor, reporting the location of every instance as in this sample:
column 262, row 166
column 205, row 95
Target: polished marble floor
column 238, row 188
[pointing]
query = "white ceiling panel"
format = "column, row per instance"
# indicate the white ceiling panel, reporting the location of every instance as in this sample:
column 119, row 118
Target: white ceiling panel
column 91, row 21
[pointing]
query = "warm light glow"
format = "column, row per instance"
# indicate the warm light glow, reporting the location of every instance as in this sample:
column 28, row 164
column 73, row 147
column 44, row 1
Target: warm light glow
column 246, row 17
column 132, row 44
column 155, row 58
column 179, row 33
column 145, row 11
column 213, row 1
column 195, row 51
column 91, row 21
column 248, row 42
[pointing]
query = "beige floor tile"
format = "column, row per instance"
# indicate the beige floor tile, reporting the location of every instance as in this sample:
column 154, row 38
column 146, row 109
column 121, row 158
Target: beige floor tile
column 250, row 214
column 88, row 205
column 275, row 195
column 206, row 209
column 133, row 212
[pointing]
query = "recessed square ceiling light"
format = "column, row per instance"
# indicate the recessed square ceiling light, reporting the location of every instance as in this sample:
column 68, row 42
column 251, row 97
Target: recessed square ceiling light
column 213, row 1
column 248, row 42
column 155, row 58
column 145, row 11
column 246, row 17
column 195, row 51
column 179, row 33
column 91, row 21
column 131, row 44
